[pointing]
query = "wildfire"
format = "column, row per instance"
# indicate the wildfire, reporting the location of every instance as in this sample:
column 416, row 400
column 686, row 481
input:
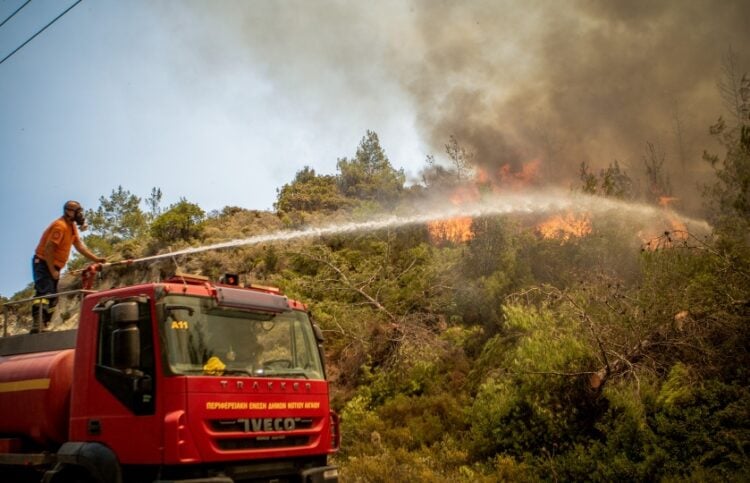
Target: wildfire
column 522, row 178
column 465, row 194
column 565, row 227
column 507, row 177
column 674, row 230
column 455, row 230
column 666, row 201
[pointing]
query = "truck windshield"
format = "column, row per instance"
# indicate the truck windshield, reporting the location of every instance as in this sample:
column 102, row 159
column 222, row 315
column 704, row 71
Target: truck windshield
column 202, row 338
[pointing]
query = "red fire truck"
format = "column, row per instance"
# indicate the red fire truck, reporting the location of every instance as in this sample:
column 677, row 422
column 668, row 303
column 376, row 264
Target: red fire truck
column 182, row 380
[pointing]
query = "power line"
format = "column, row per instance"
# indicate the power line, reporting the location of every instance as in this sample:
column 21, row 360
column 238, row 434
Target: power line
column 17, row 10
column 40, row 31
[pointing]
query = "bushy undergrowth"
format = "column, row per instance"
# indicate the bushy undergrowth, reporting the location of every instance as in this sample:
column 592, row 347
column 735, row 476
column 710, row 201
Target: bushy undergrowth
column 509, row 357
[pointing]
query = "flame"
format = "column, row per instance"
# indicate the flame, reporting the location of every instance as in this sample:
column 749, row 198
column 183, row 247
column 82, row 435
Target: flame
column 673, row 231
column 481, row 176
column 508, row 177
column 666, row 201
column 527, row 175
column 455, row 230
column 565, row 227
column 458, row 230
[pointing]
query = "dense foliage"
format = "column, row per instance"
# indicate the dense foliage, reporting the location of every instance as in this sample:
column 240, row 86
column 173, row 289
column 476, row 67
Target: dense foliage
column 370, row 175
column 181, row 221
column 310, row 192
column 509, row 357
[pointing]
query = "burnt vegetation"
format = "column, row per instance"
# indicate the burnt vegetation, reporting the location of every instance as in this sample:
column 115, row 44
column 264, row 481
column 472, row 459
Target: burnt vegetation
column 506, row 356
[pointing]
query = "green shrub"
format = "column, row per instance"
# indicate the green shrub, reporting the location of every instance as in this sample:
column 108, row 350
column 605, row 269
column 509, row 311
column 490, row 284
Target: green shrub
column 702, row 424
column 533, row 401
column 182, row 221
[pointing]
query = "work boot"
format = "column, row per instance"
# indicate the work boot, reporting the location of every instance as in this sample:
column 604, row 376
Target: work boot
column 36, row 320
column 40, row 319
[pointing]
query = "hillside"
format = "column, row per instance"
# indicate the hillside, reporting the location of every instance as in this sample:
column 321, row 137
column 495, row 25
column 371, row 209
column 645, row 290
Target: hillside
column 607, row 340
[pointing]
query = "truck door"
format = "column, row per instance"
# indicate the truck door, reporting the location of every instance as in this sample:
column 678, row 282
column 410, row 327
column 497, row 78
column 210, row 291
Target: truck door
column 121, row 398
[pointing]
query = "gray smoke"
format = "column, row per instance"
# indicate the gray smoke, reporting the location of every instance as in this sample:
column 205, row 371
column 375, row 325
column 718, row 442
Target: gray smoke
column 579, row 81
column 513, row 81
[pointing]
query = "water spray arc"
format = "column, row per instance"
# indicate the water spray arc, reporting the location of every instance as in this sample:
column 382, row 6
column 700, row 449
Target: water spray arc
column 528, row 203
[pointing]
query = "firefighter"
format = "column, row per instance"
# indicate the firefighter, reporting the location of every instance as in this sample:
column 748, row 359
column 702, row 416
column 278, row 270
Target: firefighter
column 50, row 257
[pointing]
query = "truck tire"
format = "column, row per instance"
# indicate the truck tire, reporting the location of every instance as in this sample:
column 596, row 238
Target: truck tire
column 84, row 463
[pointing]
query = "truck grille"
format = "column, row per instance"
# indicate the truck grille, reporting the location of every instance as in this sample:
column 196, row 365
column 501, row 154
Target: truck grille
column 264, row 433
column 262, row 442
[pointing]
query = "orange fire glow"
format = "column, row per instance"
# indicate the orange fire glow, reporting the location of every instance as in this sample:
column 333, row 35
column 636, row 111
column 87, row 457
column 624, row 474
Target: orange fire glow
column 455, row 230
column 465, row 194
column 508, row 177
column 666, row 201
column 674, row 229
column 481, row 176
column 566, row 227
column 458, row 230
column 521, row 178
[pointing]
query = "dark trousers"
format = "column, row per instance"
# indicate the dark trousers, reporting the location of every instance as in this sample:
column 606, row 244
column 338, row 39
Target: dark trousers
column 44, row 284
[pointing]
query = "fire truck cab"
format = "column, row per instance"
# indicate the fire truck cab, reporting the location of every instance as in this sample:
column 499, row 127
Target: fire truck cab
column 182, row 380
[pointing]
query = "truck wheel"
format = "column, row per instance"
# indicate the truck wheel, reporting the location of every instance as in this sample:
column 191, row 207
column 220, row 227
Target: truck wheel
column 82, row 462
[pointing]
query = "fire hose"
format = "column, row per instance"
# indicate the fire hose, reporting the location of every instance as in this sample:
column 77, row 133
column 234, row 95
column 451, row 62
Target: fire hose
column 88, row 273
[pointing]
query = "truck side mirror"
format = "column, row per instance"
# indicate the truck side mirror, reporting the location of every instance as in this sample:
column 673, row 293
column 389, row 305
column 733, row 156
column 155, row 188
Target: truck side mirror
column 126, row 339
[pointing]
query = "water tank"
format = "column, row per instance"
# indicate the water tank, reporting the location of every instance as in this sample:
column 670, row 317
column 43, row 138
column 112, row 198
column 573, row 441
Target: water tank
column 35, row 396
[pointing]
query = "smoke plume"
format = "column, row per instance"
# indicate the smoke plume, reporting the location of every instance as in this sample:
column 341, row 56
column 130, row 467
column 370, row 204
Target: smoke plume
column 559, row 83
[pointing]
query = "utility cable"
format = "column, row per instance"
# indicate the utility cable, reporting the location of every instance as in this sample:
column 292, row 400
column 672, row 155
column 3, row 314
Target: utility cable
column 17, row 10
column 40, row 31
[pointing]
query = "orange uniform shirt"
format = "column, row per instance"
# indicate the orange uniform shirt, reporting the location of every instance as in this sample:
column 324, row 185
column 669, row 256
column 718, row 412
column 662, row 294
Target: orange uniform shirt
column 62, row 234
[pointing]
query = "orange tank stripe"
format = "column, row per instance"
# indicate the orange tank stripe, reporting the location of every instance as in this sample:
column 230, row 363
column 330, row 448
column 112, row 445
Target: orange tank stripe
column 25, row 385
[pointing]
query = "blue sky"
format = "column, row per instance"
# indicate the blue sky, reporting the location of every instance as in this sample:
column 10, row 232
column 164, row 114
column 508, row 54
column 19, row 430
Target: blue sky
column 148, row 95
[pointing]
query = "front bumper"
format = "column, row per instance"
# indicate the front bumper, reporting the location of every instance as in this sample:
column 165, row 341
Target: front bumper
column 321, row 474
